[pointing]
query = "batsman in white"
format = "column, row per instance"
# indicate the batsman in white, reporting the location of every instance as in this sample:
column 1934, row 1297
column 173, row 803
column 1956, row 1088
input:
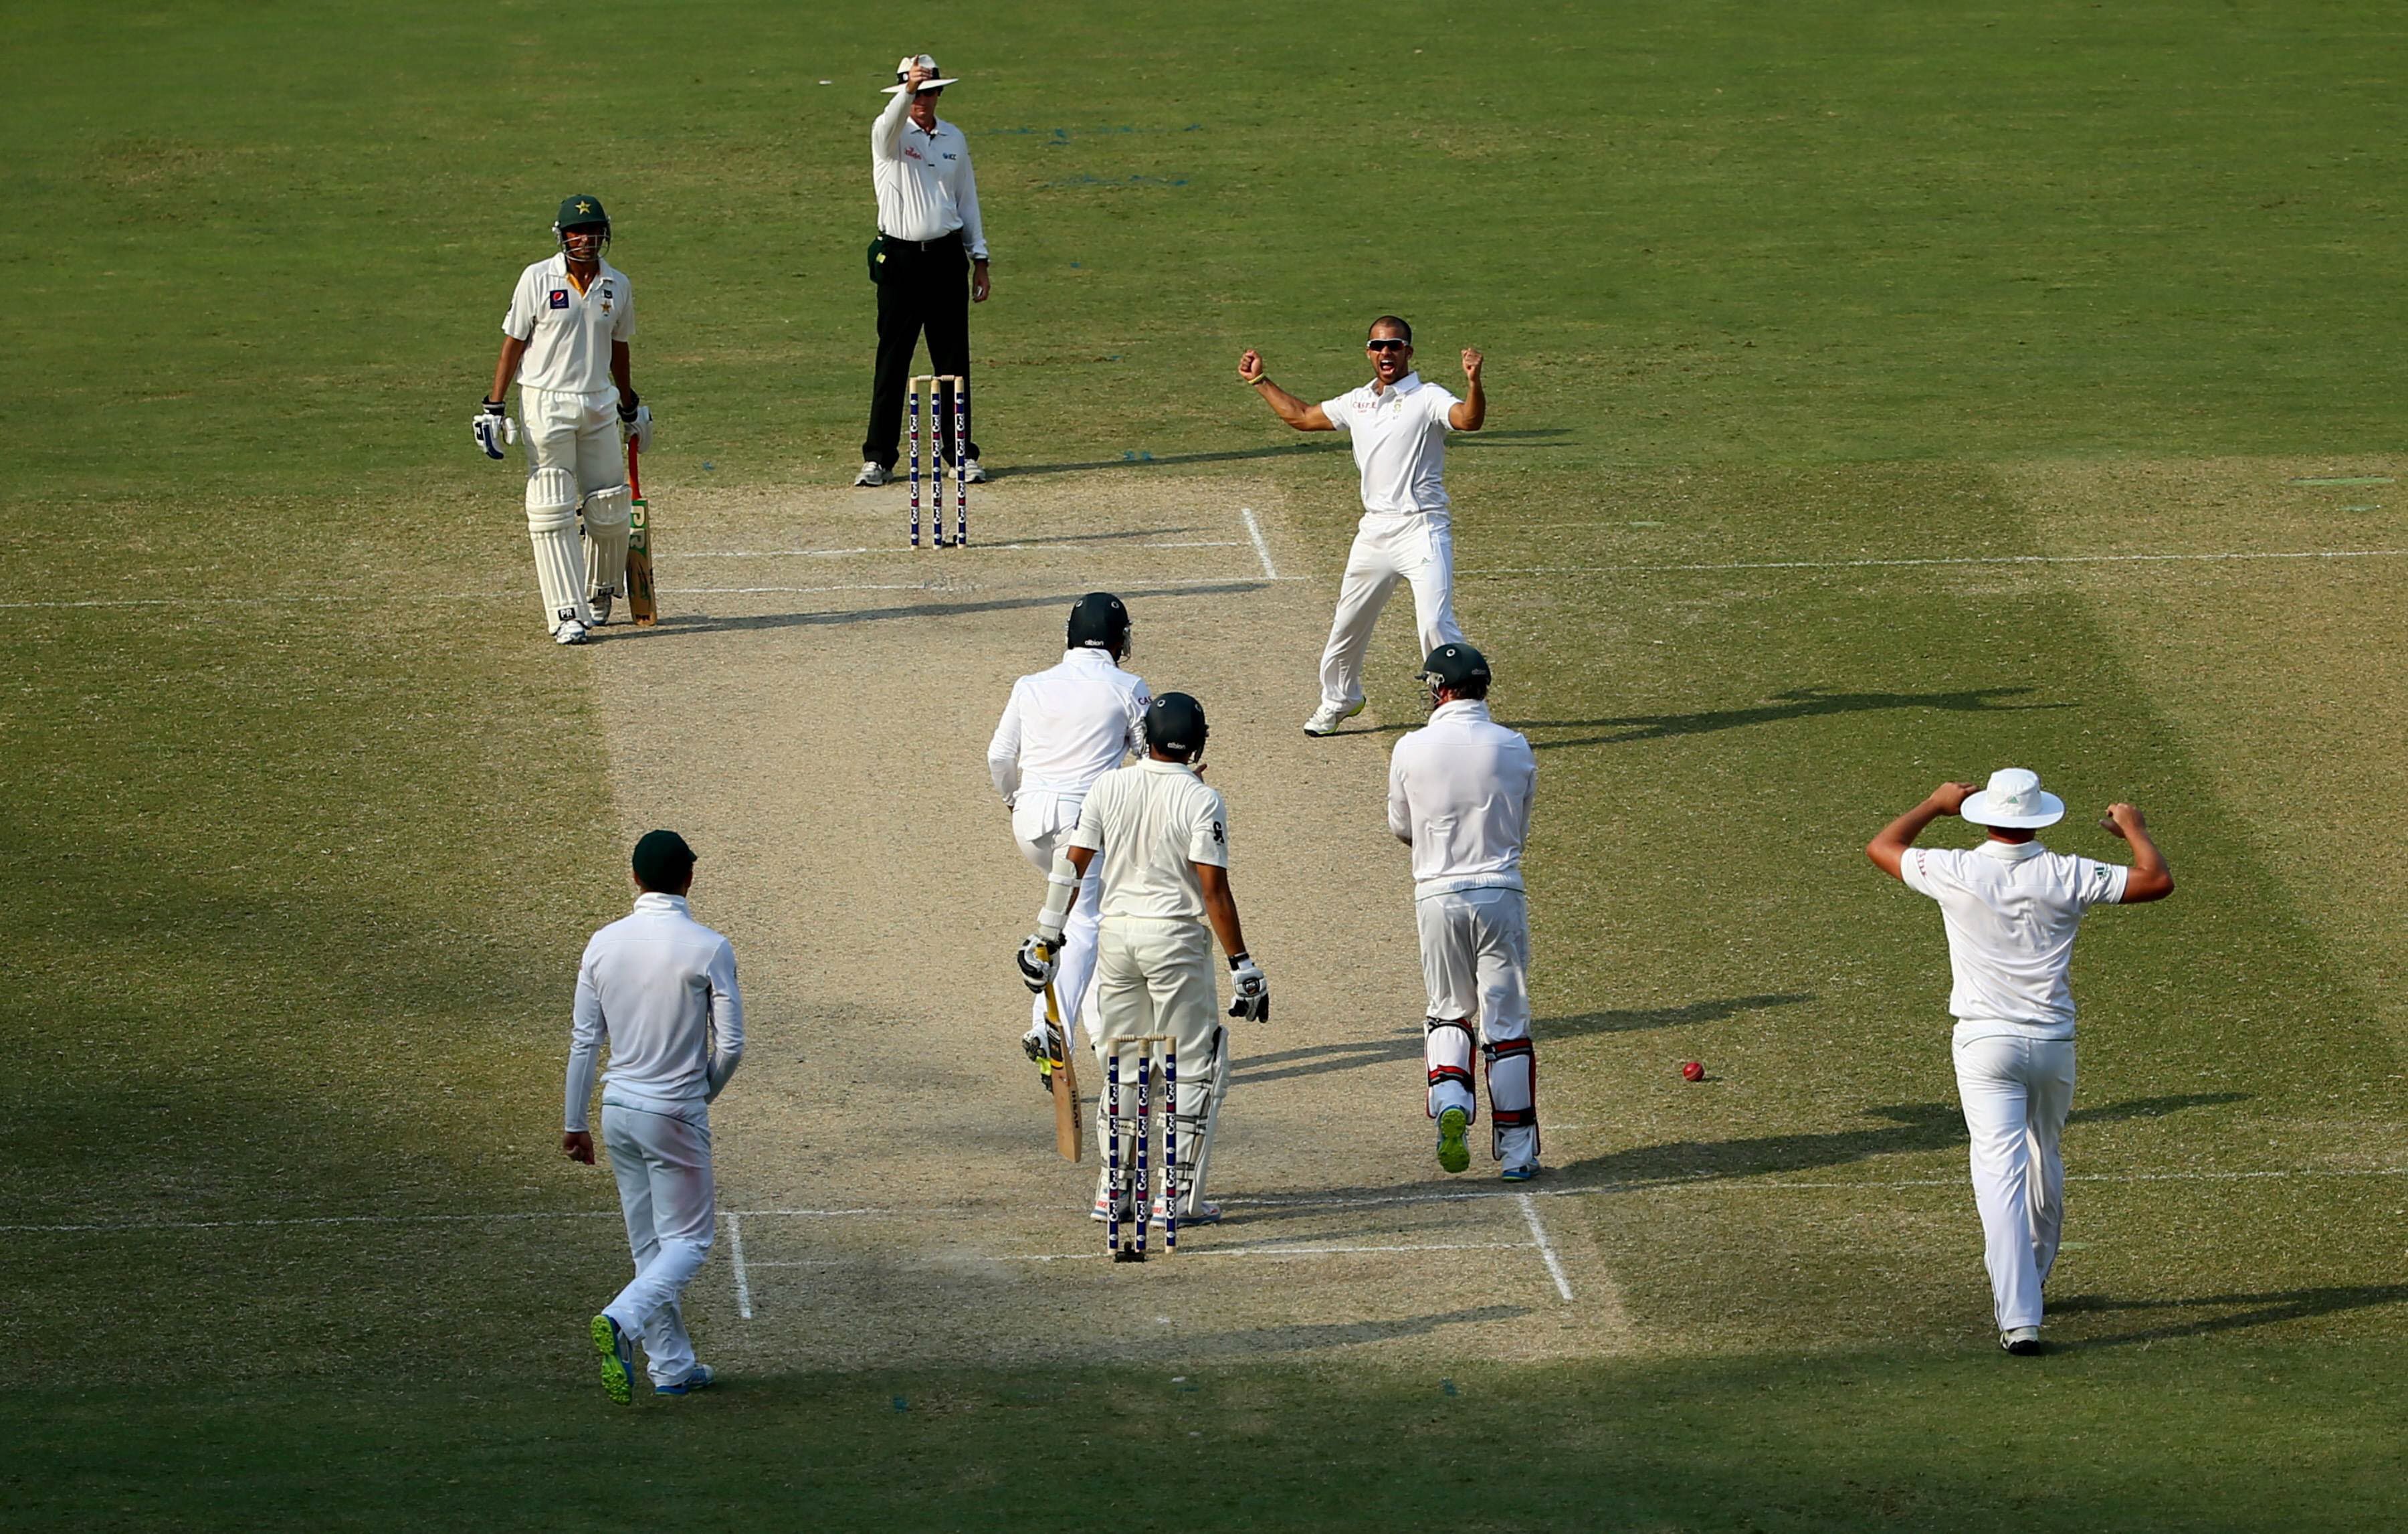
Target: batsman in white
column 2012, row 908
column 1064, row 729
column 1163, row 838
column 566, row 341
column 1459, row 791
column 1399, row 425
column 659, row 988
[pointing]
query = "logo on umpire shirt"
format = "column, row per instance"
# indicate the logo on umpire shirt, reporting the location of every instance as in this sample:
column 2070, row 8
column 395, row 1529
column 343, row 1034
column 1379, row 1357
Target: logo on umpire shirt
column 560, row 297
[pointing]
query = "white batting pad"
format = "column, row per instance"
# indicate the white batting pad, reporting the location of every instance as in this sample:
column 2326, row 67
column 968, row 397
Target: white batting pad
column 551, row 529
column 607, row 512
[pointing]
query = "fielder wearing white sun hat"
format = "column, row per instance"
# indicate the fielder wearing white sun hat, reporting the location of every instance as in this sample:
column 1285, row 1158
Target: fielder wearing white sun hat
column 2014, row 801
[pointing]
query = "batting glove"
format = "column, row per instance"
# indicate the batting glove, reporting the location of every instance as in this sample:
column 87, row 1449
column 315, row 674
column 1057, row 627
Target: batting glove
column 1040, row 957
column 1252, row 997
column 494, row 428
column 635, row 420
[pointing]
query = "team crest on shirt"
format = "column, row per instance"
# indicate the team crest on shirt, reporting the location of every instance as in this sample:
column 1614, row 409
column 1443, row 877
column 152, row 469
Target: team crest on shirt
column 606, row 297
column 560, row 297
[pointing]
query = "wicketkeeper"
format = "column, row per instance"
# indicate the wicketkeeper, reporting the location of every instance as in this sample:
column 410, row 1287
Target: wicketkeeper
column 1459, row 791
column 2012, row 908
column 566, row 341
column 658, row 987
column 1163, row 838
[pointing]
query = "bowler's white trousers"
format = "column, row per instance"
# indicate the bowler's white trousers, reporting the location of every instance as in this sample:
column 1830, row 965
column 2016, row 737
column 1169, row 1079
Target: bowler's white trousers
column 1389, row 545
column 663, row 1163
column 2017, row 1090
column 1040, row 818
column 1154, row 977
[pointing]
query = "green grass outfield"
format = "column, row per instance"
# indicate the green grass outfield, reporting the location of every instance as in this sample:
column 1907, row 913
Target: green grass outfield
column 296, row 884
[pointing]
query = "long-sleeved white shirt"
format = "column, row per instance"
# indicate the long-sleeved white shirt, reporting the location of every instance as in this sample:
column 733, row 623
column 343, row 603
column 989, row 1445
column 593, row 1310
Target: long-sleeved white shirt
column 1067, row 725
column 925, row 187
column 660, row 988
column 1459, row 791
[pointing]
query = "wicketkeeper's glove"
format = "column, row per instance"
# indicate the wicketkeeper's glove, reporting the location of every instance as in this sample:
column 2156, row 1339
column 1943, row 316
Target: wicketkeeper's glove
column 1252, row 994
column 493, row 427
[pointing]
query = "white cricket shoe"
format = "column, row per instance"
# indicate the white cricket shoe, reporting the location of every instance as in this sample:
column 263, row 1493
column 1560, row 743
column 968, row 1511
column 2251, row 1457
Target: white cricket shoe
column 1206, row 1212
column 2023, row 1342
column 569, row 632
column 1517, row 1150
column 1326, row 718
column 600, row 603
column 972, row 472
column 871, row 474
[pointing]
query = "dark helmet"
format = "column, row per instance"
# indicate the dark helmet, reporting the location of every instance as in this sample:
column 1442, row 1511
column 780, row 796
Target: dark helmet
column 1099, row 621
column 582, row 211
column 1457, row 667
column 1174, row 725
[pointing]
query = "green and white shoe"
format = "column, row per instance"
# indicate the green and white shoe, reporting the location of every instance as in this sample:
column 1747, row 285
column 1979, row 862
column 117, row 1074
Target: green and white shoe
column 1453, row 1153
column 618, row 1358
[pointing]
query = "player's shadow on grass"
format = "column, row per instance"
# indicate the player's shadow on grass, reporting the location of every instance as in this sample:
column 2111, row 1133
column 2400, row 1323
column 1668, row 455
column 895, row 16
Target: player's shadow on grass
column 1798, row 703
column 701, row 624
column 2236, row 1312
column 1543, row 436
column 1313, row 1337
column 1321, row 1059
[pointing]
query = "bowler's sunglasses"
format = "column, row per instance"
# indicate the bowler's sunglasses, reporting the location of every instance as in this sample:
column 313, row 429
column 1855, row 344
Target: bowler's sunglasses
column 1385, row 343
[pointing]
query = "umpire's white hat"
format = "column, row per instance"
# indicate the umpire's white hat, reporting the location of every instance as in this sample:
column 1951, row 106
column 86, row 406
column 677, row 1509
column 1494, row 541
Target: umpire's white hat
column 925, row 61
column 2014, row 801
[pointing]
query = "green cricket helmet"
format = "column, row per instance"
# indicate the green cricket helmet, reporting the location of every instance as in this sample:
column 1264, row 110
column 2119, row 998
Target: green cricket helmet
column 582, row 211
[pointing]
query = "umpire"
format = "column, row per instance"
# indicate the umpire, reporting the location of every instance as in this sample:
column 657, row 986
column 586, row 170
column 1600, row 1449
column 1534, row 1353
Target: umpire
column 928, row 230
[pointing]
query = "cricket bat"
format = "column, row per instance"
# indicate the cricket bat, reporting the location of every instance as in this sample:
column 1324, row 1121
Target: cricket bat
column 1068, row 1122
column 640, row 602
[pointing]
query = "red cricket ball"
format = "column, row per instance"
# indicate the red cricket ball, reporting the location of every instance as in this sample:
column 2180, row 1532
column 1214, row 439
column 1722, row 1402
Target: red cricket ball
column 1693, row 1071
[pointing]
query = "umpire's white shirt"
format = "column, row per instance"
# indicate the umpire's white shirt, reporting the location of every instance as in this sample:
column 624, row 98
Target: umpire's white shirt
column 2011, row 910
column 1152, row 820
column 568, row 333
column 925, row 187
column 1398, row 435
column 1460, row 790
column 660, row 987
column 1067, row 725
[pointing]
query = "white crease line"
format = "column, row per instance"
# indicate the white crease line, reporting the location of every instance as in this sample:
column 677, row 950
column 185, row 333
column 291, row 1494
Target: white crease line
column 1262, row 549
column 1200, row 543
column 735, row 1253
column 1912, row 564
column 1546, row 1247
column 794, row 591
column 126, row 1226
column 768, row 553
column 1281, row 1250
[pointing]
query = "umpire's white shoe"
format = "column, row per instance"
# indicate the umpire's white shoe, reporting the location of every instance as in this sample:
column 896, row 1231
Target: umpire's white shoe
column 569, row 632
column 600, row 602
column 2023, row 1342
column 871, row 473
column 972, row 472
column 1326, row 718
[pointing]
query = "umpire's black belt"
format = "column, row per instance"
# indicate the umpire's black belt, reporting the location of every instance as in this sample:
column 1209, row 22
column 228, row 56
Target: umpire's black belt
column 952, row 241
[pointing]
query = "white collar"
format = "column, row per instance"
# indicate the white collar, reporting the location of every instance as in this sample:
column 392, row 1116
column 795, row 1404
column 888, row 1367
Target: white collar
column 1080, row 656
column 655, row 900
column 1403, row 386
column 1156, row 763
column 2012, row 852
column 1462, row 707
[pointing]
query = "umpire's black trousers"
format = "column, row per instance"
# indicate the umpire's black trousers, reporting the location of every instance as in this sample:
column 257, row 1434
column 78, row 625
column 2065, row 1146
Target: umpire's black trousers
column 922, row 285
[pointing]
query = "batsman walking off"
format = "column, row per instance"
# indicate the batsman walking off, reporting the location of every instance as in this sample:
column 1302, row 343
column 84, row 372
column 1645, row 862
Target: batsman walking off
column 1163, row 838
column 566, row 341
column 1397, row 424
column 1459, row 791
column 659, row 988
column 2011, row 908
column 1064, row 729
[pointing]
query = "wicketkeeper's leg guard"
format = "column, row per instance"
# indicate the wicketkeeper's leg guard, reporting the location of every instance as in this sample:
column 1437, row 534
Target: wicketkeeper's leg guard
column 607, row 514
column 552, row 527
column 1513, row 1093
column 1446, row 1044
